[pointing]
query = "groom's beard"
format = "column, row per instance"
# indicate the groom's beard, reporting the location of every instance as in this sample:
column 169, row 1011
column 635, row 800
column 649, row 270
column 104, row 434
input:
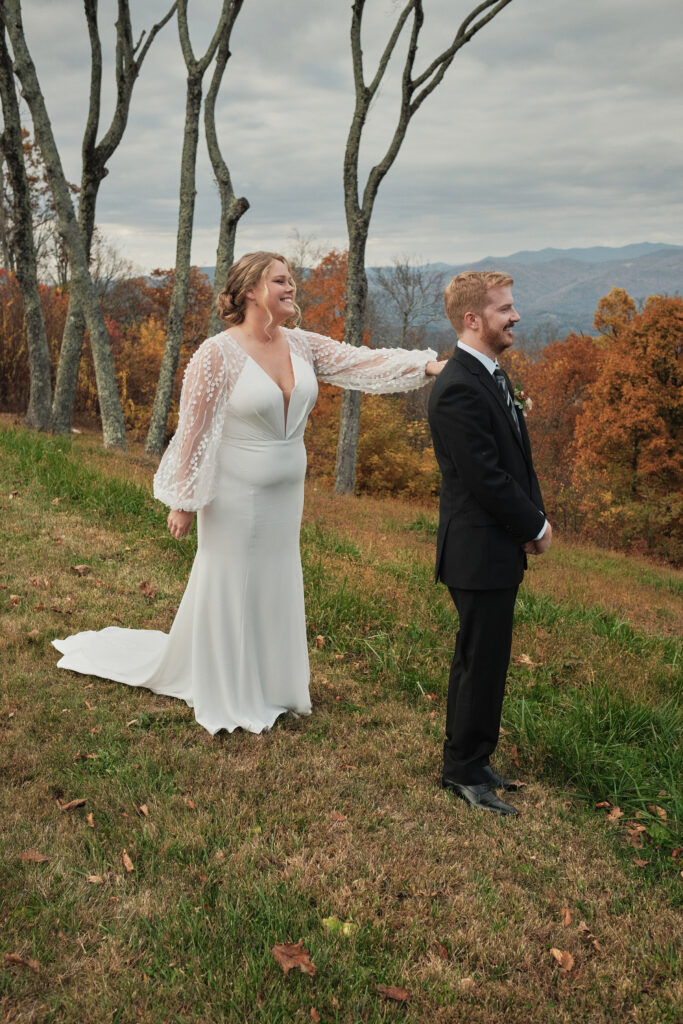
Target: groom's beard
column 495, row 338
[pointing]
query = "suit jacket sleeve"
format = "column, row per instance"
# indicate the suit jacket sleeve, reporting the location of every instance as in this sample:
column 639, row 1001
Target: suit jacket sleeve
column 464, row 422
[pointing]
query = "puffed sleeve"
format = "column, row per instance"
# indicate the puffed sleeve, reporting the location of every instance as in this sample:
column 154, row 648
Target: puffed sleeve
column 186, row 477
column 375, row 370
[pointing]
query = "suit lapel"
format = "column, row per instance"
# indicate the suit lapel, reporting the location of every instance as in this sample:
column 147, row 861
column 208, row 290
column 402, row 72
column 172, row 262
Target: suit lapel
column 474, row 366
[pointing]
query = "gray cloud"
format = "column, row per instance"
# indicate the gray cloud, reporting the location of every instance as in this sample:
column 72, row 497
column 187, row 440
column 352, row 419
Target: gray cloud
column 558, row 125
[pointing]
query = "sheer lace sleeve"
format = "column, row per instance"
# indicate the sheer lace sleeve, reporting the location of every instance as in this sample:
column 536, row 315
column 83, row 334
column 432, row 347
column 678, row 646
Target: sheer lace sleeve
column 375, row 370
column 186, row 475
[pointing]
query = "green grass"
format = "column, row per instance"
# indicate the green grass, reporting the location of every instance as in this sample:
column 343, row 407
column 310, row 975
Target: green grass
column 253, row 840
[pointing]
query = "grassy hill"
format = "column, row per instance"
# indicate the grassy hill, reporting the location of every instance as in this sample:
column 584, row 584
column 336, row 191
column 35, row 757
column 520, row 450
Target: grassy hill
column 162, row 894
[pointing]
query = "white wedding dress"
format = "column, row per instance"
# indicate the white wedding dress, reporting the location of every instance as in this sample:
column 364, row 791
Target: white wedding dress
column 237, row 650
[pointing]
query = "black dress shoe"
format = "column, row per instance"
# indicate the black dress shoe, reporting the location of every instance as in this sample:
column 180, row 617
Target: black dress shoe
column 479, row 796
column 500, row 781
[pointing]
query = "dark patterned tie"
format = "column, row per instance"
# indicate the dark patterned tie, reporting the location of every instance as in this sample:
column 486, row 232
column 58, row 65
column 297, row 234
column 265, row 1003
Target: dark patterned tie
column 500, row 380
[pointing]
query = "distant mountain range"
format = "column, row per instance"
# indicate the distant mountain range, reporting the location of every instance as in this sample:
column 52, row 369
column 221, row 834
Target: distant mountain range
column 557, row 290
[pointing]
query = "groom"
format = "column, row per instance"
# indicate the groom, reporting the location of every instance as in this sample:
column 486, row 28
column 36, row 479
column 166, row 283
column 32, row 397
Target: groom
column 490, row 517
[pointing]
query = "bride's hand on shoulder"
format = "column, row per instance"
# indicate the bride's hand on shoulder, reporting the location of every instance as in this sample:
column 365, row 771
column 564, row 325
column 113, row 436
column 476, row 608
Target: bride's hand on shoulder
column 434, row 367
column 180, row 523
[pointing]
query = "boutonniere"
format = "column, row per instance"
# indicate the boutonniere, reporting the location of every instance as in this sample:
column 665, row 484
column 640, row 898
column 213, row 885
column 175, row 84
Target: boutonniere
column 522, row 401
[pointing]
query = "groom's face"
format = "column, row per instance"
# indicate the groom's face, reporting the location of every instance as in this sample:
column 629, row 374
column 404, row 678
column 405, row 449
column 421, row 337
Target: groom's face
column 499, row 317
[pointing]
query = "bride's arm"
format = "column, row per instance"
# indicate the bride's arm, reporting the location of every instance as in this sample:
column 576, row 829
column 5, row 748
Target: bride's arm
column 185, row 479
column 376, row 370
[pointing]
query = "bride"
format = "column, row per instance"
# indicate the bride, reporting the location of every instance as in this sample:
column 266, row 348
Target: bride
column 237, row 651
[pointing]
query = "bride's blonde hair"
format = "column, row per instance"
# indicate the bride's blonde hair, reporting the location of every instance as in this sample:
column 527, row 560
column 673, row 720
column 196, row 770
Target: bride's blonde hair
column 249, row 273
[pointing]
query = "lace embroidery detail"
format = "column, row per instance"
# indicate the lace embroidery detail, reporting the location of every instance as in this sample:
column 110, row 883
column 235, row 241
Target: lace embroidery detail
column 377, row 371
column 186, row 477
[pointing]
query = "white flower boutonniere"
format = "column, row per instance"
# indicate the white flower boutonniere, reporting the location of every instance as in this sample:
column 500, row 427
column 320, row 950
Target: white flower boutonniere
column 522, row 401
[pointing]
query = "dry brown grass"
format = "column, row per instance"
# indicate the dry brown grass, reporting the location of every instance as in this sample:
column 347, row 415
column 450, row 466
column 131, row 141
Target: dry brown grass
column 255, row 839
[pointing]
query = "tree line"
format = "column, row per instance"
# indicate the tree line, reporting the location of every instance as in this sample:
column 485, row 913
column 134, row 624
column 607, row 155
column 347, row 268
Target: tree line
column 51, row 402
column 605, row 412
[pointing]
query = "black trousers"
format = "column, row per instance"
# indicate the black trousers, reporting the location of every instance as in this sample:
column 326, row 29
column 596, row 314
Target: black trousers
column 477, row 681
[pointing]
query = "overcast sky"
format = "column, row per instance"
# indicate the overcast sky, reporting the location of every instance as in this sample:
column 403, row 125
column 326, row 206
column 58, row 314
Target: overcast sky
column 559, row 124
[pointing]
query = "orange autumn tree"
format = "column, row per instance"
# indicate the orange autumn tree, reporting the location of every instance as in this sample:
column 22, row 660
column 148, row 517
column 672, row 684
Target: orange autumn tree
column 394, row 452
column 558, row 384
column 322, row 297
column 628, row 463
column 136, row 313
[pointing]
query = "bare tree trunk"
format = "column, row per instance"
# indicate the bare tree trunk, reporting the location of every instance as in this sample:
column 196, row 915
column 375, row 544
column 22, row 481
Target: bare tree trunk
column 181, row 278
column 414, row 90
column 232, row 208
column 40, row 390
column 94, row 170
column 7, row 260
column 113, row 427
column 176, row 313
column 356, row 297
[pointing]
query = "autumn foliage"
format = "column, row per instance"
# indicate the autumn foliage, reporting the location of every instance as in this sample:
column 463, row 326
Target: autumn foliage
column 605, row 421
column 606, row 426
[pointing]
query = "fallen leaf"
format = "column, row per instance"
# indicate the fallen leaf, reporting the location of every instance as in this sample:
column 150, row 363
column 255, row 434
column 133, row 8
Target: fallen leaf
column 13, row 494
column 220, row 856
column 293, row 954
column 14, row 600
column 603, row 803
column 148, row 590
column 315, row 1016
column 564, row 959
column 33, row 635
column 441, row 949
column 143, row 808
column 191, row 804
column 81, row 570
column 337, row 816
column 566, row 917
column 659, row 812
column 33, row 857
column 90, row 819
column 677, row 852
column 515, row 755
column 615, row 814
column 467, row 984
column 319, row 641
column 524, row 659
column 640, row 863
column 14, row 958
column 71, row 805
column 399, row 995
column 127, row 862
column 95, row 879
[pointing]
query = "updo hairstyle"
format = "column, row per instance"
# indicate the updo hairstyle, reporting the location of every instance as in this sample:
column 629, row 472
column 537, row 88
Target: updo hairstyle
column 246, row 275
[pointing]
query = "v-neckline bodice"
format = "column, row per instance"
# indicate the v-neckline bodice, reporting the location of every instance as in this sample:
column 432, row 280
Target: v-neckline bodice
column 286, row 398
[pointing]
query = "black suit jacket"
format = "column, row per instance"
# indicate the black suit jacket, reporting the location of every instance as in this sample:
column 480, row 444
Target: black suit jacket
column 491, row 501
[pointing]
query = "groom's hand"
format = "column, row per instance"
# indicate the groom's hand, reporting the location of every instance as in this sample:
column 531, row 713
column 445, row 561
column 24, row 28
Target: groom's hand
column 537, row 547
column 546, row 540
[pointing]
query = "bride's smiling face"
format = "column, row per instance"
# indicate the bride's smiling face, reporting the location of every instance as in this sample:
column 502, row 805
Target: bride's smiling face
column 279, row 291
